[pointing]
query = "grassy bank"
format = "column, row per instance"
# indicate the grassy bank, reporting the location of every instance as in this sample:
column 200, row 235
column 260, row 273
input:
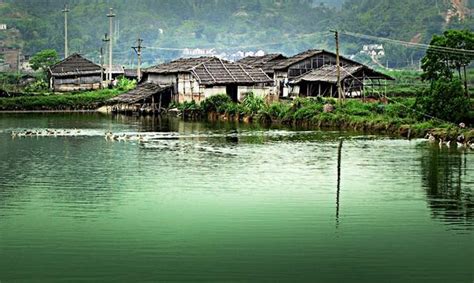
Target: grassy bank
column 399, row 117
column 64, row 101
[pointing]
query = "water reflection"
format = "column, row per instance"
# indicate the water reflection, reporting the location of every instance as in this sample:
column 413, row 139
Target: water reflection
column 448, row 179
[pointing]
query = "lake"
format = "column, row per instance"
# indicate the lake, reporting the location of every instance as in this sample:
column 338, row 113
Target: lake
column 228, row 202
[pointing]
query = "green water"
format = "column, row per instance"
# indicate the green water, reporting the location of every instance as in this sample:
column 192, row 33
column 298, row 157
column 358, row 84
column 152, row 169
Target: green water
column 222, row 202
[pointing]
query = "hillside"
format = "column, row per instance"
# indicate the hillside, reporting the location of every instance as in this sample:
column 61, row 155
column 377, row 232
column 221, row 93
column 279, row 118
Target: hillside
column 230, row 25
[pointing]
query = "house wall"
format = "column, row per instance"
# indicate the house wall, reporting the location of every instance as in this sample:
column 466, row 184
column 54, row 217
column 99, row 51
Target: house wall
column 281, row 79
column 64, row 84
column 260, row 91
column 187, row 88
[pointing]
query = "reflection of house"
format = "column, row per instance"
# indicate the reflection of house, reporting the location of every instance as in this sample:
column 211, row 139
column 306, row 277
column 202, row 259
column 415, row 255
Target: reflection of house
column 198, row 78
column 289, row 69
column 323, row 81
column 75, row 73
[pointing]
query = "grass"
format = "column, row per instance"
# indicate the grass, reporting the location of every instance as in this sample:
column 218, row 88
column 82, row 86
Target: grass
column 64, row 101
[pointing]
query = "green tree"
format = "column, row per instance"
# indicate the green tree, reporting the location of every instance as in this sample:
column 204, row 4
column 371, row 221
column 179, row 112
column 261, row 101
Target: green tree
column 445, row 100
column 445, row 55
column 44, row 59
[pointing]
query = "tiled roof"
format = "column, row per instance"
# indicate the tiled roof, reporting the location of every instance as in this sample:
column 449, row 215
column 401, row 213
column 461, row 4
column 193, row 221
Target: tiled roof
column 74, row 65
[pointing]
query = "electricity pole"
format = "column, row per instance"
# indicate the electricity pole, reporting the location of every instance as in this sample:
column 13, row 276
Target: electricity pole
column 105, row 39
column 110, row 15
column 340, row 94
column 138, row 50
column 65, row 11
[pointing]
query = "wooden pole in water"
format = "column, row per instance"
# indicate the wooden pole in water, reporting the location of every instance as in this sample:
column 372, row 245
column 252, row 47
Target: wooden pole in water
column 339, row 150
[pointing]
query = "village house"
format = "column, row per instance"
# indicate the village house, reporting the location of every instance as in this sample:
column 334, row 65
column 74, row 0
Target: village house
column 290, row 72
column 75, row 73
column 117, row 71
column 323, row 81
column 194, row 79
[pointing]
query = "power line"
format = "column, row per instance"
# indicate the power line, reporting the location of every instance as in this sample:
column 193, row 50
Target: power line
column 411, row 44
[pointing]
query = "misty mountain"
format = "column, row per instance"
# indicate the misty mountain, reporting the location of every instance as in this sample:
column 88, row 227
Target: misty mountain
column 287, row 26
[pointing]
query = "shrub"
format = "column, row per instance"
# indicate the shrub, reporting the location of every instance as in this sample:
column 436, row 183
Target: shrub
column 253, row 103
column 126, row 84
column 215, row 103
column 445, row 100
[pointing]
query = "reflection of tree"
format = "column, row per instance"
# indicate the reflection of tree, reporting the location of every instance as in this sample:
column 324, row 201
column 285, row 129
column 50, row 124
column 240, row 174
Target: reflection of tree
column 444, row 176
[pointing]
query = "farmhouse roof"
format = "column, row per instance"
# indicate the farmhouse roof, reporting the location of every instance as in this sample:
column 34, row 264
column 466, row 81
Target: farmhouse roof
column 141, row 92
column 328, row 73
column 285, row 64
column 74, row 65
column 213, row 71
column 266, row 62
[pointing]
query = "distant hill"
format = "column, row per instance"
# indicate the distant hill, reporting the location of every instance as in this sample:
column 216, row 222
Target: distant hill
column 286, row 26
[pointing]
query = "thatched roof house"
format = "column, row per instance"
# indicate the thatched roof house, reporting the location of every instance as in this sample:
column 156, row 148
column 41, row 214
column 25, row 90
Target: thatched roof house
column 283, row 70
column 146, row 97
column 323, row 81
column 198, row 78
column 75, row 73
column 266, row 62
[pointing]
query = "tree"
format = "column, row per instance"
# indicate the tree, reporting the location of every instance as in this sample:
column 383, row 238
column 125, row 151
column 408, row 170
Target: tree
column 44, row 59
column 454, row 50
column 445, row 100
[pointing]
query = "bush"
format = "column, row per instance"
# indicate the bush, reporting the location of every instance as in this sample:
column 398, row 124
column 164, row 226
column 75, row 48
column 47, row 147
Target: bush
column 445, row 100
column 215, row 103
column 126, row 84
column 37, row 86
column 253, row 103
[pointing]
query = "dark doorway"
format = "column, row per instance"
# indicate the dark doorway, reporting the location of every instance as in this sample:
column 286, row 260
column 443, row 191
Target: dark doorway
column 232, row 92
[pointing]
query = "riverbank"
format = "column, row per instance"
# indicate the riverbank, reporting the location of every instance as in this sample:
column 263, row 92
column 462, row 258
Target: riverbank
column 397, row 117
column 90, row 100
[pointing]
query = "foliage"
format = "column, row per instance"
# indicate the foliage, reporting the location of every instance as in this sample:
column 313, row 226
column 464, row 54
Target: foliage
column 37, row 86
column 125, row 84
column 64, row 101
column 439, row 62
column 226, row 25
column 445, row 100
column 44, row 59
column 253, row 103
column 215, row 103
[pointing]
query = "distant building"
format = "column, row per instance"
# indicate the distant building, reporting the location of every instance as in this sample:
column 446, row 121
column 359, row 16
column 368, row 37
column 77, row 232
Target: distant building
column 11, row 58
column 373, row 50
column 187, row 52
column 3, row 26
column 117, row 71
column 75, row 73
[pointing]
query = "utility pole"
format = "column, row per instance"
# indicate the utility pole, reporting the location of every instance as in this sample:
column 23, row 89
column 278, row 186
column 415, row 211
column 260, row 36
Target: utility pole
column 105, row 39
column 340, row 94
column 111, row 16
column 65, row 11
column 101, row 65
column 138, row 50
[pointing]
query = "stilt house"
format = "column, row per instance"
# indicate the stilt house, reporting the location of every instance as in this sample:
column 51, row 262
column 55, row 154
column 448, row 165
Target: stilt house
column 289, row 72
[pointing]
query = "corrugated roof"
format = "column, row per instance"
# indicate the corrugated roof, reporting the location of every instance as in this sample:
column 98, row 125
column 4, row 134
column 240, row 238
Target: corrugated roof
column 213, row 71
column 328, row 73
column 141, row 92
column 74, row 65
